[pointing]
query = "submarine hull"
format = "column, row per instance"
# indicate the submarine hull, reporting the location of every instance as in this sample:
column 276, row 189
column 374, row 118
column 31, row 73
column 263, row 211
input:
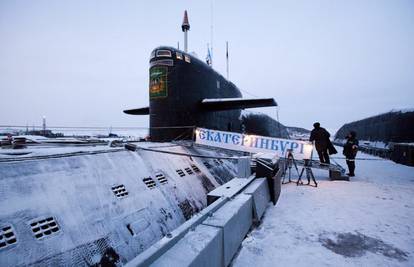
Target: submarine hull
column 101, row 208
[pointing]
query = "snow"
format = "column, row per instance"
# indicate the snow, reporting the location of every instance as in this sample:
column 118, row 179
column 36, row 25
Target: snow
column 402, row 110
column 78, row 192
column 298, row 135
column 46, row 149
column 51, row 150
column 129, row 132
column 245, row 113
column 367, row 143
column 370, row 144
column 367, row 221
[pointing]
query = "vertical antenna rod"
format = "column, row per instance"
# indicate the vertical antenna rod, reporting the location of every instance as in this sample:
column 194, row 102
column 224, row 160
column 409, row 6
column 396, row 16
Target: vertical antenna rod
column 211, row 33
column 227, row 59
column 208, row 58
column 185, row 27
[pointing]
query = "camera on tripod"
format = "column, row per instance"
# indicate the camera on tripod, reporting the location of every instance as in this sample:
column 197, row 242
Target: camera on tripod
column 290, row 162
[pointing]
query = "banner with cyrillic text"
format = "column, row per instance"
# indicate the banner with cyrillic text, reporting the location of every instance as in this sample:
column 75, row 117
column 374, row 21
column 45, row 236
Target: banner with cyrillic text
column 253, row 143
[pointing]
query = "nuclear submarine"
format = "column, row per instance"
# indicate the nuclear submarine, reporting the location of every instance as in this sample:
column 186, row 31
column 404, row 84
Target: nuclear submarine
column 185, row 92
column 103, row 206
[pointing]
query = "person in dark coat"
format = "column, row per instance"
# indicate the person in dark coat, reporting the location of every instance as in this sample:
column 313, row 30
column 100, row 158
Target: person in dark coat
column 350, row 151
column 321, row 137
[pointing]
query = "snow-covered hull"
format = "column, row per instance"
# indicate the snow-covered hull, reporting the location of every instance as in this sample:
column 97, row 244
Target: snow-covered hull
column 100, row 208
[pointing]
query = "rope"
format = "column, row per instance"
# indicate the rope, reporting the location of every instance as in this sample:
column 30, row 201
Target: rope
column 184, row 134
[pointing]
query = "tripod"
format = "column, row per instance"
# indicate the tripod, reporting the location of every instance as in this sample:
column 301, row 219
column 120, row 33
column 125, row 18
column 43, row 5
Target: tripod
column 309, row 174
column 290, row 162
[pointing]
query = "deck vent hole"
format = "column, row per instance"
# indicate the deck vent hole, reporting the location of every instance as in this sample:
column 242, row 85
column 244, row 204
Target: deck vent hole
column 44, row 227
column 208, row 165
column 217, row 162
column 7, row 236
column 189, row 171
column 130, row 229
column 195, row 168
column 149, row 182
column 161, row 178
column 119, row 191
column 180, row 172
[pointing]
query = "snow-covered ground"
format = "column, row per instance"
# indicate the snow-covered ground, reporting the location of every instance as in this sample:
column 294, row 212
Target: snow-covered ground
column 368, row 221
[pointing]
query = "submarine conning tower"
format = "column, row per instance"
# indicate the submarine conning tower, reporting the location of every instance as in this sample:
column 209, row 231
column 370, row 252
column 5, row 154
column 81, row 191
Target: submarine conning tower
column 185, row 92
column 178, row 83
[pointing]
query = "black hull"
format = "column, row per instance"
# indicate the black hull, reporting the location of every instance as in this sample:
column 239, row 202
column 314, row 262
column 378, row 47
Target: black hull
column 188, row 83
column 185, row 93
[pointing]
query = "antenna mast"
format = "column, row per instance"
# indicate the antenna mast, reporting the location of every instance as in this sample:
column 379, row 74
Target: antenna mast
column 185, row 27
column 227, row 59
column 211, row 32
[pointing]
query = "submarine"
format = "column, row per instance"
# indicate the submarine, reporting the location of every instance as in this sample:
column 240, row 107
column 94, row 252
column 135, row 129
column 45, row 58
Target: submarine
column 94, row 205
column 185, row 92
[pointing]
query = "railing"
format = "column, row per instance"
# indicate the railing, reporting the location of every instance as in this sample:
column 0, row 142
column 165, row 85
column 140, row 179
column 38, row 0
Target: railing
column 375, row 151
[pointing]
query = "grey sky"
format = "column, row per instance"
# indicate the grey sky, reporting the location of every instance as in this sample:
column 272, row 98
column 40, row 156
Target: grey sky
column 80, row 63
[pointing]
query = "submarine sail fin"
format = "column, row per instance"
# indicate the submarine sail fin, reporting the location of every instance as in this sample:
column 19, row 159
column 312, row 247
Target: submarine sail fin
column 217, row 104
column 137, row 111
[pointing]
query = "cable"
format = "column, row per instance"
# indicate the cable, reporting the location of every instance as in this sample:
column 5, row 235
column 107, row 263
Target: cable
column 247, row 92
column 133, row 147
column 358, row 158
column 63, row 155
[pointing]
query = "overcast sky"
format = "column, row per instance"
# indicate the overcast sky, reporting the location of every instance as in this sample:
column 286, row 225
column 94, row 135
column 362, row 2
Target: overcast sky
column 80, row 63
